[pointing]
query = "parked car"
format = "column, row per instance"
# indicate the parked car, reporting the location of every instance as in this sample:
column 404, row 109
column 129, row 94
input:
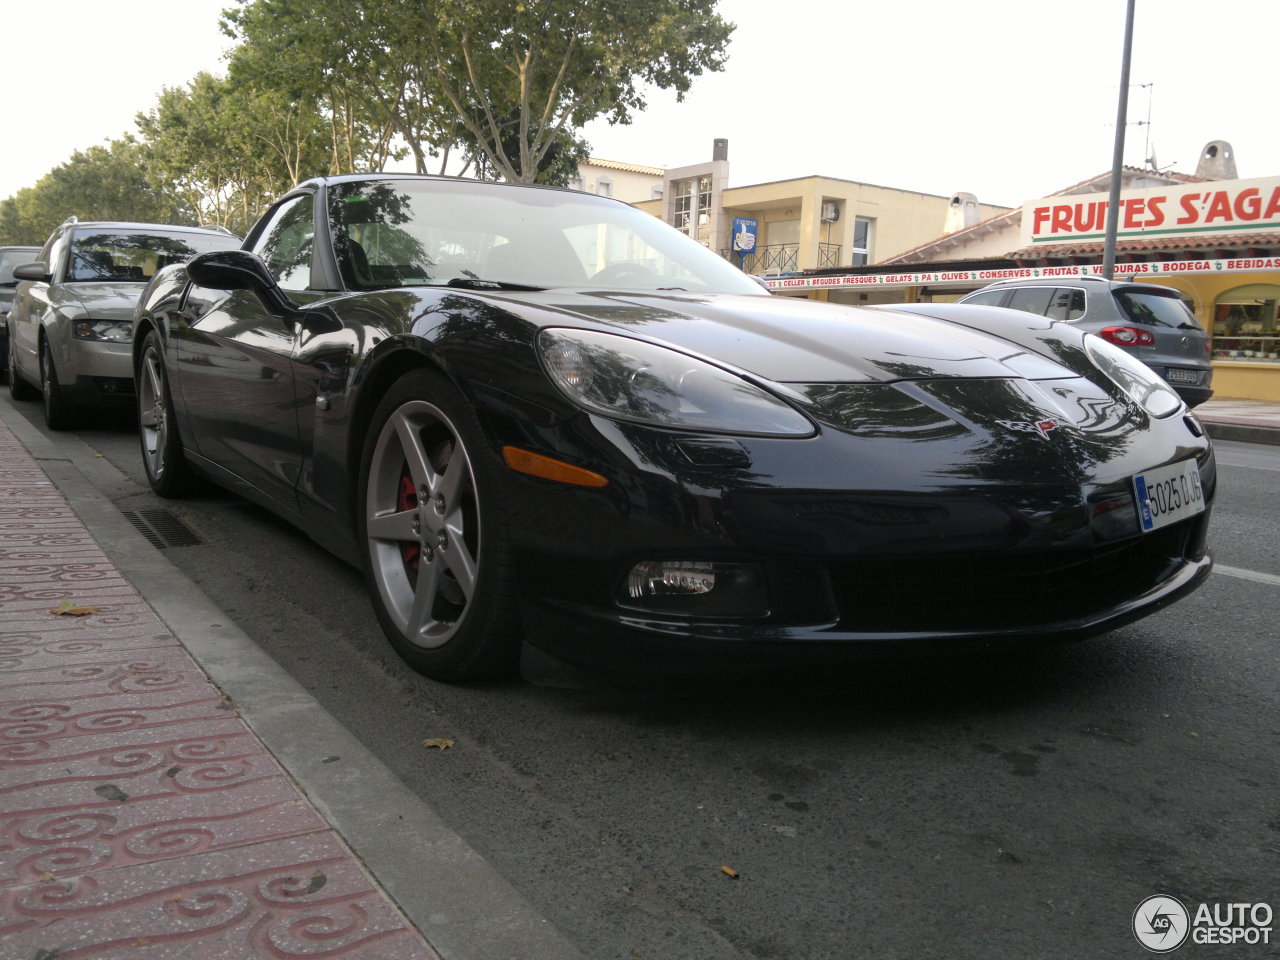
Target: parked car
column 10, row 257
column 72, row 313
column 530, row 412
column 1149, row 321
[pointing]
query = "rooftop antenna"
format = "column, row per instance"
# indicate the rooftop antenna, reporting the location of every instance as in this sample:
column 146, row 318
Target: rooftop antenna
column 1148, row 154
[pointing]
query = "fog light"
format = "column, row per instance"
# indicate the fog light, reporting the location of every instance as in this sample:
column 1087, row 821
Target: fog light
column 697, row 588
column 661, row 578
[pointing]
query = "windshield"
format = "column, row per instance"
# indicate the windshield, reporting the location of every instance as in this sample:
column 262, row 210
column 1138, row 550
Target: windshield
column 98, row 255
column 13, row 258
column 390, row 233
column 1156, row 310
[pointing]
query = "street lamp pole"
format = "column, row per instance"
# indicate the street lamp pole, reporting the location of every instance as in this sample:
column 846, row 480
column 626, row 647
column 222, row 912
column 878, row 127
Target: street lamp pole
column 1117, row 156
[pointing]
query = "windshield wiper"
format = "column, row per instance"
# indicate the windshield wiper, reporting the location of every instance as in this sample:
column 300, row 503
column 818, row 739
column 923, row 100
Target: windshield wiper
column 476, row 283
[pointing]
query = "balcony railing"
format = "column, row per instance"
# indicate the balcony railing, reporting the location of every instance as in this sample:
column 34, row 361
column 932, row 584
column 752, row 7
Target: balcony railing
column 783, row 258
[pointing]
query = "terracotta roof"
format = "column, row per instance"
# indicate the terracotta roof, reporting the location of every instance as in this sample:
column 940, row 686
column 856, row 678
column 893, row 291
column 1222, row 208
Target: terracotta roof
column 1233, row 241
column 1169, row 175
column 626, row 167
column 956, row 236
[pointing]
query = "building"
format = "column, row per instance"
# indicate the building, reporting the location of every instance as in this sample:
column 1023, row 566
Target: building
column 629, row 182
column 814, row 222
column 1212, row 236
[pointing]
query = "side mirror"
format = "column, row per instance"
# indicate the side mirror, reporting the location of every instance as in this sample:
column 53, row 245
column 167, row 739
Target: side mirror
column 32, row 271
column 239, row 270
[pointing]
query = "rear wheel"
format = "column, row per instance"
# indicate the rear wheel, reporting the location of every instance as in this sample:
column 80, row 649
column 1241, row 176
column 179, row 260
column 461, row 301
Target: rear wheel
column 19, row 389
column 434, row 533
column 162, row 457
column 57, row 408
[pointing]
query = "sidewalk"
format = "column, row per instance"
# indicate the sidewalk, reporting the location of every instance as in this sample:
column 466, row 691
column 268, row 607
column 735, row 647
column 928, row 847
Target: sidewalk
column 142, row 817
column 1251, row 421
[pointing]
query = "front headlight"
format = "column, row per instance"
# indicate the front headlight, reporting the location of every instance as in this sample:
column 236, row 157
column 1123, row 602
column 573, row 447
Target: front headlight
column 632, row 380
column 110, row 331
column 1138, row 381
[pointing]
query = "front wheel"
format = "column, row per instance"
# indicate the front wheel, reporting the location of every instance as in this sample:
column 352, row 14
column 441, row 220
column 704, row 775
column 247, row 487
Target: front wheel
column 162, row 457
column 57, row 408
column 433, row 529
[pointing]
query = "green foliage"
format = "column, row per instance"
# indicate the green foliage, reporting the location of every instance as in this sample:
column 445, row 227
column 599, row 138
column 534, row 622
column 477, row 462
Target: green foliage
column 556, row 64
column 110, row 182
column 507, row 81
column 228, row 149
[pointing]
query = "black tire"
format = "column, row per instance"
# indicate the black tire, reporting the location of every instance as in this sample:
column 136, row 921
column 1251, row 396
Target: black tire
column 162, row 456
column 434, row 533
column 58, row 410
column 19, row 389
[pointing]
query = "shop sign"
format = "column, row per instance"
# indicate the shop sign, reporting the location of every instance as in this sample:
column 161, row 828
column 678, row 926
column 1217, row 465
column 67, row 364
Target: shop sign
column 1215, row 206
column 1164, row 268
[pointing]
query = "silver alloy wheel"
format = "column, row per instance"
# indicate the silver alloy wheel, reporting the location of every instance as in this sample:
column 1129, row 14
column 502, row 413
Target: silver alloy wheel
column 153, row 420
column 423, row 524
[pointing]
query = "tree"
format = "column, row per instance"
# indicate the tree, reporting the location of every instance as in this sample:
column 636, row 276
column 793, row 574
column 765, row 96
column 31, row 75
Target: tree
column 510, row 82
column 109, row 182
column 228, row 149
column 351, row 61
column 556, row 64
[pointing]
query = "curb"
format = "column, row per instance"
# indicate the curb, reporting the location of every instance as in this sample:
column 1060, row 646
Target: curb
column 1242, row 432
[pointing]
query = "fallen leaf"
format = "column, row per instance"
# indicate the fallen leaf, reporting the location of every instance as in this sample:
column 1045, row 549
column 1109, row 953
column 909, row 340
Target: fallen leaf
column 729, row 872
column 440, row 743
column 109, row 791
column 69, row 609
column 45, row 878
column 318, row 880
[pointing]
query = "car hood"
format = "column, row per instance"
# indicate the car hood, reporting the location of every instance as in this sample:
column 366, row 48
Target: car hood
column 101, row 301
column 790, row 341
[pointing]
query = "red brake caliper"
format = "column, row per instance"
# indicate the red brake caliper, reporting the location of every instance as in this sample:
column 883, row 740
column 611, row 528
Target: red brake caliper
column 411, row 553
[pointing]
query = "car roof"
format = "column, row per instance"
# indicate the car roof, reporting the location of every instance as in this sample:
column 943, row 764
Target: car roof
column 438, row 178
column 130, row 225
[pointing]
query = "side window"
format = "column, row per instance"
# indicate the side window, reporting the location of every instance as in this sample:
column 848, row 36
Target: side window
column 54, row 252
column 987, row 298
column 285, row 244
column 1033, row 299
column 1066, row 304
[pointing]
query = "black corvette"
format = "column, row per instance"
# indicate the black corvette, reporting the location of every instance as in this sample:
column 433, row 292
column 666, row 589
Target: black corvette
column 536, row 414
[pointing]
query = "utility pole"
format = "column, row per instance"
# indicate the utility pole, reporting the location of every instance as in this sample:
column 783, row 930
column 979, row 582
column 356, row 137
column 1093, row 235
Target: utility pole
column 1117, row 156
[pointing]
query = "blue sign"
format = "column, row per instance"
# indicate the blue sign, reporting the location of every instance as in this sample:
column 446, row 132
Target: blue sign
column 744, row 235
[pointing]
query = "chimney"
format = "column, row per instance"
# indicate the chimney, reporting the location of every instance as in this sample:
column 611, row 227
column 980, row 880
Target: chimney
column 720, row 149
column 962, row 212
column 1217, row 161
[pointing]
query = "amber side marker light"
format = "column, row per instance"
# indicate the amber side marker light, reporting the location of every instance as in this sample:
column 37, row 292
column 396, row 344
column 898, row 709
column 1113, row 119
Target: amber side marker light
column 548, row 468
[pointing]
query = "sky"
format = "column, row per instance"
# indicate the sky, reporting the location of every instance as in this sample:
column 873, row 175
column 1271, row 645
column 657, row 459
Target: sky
column 1007, row 99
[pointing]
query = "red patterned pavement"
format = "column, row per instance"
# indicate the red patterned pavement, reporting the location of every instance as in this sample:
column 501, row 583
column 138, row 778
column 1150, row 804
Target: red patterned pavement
column 140, row 817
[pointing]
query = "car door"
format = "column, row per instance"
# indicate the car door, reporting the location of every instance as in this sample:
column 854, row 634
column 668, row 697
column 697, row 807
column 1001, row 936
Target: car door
column 234, row 365
column 32, row 308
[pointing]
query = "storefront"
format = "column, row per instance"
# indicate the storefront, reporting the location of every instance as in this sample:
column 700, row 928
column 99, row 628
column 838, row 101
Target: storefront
column 1216, row 241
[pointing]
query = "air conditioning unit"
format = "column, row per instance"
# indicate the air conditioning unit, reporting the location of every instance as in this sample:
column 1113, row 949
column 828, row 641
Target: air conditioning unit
column 830, row 211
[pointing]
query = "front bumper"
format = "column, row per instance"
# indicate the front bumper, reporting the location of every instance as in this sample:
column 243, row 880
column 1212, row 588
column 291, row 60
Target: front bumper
column 845, row 573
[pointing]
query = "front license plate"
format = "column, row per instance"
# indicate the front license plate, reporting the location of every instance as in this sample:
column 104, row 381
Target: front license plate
column 1168, row 495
